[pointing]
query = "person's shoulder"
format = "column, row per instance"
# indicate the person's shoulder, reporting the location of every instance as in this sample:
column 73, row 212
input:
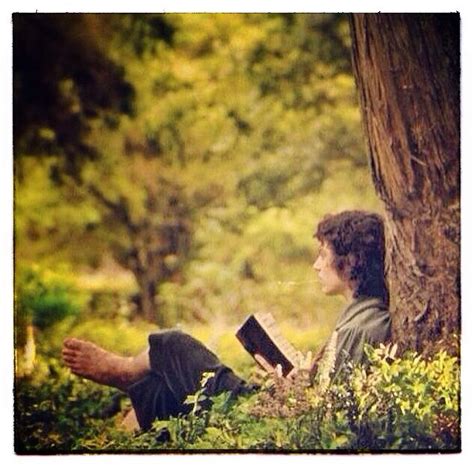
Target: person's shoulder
column 373, row 314
column 370, row 307
column 363, row 315
column 376, row 321
column 376, row 308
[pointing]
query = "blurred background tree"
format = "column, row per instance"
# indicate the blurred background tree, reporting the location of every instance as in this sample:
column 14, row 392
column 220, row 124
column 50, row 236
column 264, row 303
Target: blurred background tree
column 63, row 77
column 188, row 154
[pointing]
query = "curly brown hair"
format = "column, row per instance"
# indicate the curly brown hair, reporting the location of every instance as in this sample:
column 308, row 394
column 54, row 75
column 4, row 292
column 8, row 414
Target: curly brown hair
column 357, row 240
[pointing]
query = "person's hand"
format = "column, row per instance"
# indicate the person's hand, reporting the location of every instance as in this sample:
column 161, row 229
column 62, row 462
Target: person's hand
column 304, row 363
column 264, row 363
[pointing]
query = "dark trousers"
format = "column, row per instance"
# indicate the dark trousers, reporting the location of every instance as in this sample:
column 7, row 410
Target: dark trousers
column 177, row 362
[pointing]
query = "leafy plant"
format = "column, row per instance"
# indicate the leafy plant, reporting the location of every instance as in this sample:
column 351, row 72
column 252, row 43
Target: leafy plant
column 395, row 403
column 44, row 298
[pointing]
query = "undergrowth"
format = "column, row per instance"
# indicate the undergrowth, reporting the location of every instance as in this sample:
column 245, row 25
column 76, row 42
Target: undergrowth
column 406, row 403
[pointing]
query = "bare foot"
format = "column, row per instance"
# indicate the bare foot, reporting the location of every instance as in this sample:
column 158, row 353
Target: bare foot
column 88, row 360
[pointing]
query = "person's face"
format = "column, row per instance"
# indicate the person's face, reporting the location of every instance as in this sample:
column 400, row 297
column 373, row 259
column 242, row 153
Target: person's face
column 331, row 282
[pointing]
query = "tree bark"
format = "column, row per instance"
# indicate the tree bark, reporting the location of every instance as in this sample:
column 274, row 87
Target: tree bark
column 147, row 299
column 157, row 246
column 156, row 256
column 407, row 74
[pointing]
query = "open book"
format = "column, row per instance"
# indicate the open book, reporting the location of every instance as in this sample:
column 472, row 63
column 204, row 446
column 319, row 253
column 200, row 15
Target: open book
column 259, row 334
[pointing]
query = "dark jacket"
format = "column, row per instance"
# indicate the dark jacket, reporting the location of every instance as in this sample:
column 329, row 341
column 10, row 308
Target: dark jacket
column 365, row 321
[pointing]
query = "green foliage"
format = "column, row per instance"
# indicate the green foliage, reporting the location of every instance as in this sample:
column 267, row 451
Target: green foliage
column 45, row 298
column 395, row 404
column 49, row 416
column 74, row 79
column 407, row 403
column 239, row 122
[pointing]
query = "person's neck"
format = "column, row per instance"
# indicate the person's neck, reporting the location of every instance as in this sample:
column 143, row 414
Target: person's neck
column 348, row 293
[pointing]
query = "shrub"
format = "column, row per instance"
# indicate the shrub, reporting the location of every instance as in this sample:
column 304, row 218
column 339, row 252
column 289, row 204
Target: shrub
column 405, row 403
column 408, row 403
column 396, row 404
column 60, row 414
column 44, row 298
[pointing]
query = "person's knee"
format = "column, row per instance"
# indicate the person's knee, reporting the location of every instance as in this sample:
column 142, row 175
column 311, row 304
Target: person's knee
column 179, row 344
column 169, row 340
column 168, row 335
column 177, row 340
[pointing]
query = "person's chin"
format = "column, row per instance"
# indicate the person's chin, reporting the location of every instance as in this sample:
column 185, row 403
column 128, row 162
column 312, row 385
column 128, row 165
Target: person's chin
column 329, row 292
column 326, row 291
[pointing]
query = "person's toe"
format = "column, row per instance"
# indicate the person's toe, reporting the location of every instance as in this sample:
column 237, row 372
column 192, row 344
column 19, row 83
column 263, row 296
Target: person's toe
column 69, row 362
column 69, row 352
column 73, row 343
column 69, row 356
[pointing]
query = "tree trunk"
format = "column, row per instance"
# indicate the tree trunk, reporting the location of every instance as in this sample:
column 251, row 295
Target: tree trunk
column 407, row 73
column 147, row 300
column 156, row 256
column 146, row 265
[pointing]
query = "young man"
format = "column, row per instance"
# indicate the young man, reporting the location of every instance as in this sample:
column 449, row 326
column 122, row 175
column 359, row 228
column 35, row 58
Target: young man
column 350, row 262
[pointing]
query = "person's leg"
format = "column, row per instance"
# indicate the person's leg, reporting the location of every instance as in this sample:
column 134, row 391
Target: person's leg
column 88, row 360
column 178, row 362
column 157, row 380
column 181, row 360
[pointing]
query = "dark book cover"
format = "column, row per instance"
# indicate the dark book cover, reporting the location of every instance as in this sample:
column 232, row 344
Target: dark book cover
column 259, row 335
